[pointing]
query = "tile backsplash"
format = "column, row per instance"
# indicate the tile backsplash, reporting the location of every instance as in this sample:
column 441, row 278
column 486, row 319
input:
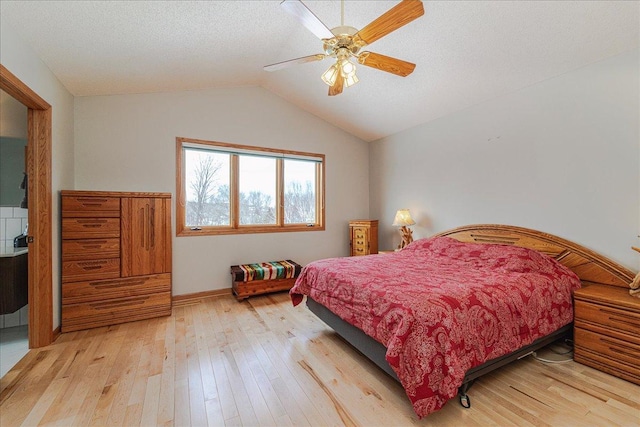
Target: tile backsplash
column 13, row 220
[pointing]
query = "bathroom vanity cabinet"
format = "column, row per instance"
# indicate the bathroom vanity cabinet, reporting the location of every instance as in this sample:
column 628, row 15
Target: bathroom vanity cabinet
column 14, row 279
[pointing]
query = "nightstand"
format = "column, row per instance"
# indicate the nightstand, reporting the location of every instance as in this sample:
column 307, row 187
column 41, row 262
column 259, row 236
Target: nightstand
column 363, row 237
column 606, row 330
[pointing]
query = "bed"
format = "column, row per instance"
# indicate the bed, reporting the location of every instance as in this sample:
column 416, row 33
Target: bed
column 435, row 324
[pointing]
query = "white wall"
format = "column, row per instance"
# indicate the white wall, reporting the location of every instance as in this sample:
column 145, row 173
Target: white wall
column 13, row 117
column 127, row 143
column 23, row 62
column 561, row 156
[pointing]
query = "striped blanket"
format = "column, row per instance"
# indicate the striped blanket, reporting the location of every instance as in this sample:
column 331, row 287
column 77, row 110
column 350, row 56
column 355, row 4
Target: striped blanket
column 265, row 271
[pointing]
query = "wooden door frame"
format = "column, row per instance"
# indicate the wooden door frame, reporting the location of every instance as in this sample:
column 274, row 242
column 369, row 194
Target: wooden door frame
column 39, row 149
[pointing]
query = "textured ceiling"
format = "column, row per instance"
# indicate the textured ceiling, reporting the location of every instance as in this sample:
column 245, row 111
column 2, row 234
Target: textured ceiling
column 466, row 51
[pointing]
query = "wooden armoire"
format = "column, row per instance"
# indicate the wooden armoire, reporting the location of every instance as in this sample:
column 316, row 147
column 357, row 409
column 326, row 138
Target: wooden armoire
column 116, row 257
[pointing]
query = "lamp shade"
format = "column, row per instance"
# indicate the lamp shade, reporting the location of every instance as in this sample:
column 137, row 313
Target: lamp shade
column 330, row 76
column 403, row 218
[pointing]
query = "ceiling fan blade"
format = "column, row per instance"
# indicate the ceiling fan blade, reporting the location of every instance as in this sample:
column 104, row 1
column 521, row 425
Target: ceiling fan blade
column 289, row 63
column 307, row 18
column 386, row 63
column 399, row 15
column 336, row 89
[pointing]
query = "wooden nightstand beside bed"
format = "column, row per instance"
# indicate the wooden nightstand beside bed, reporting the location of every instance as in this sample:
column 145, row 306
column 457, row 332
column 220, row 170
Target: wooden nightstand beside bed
column 363, row 237
column 607, row 330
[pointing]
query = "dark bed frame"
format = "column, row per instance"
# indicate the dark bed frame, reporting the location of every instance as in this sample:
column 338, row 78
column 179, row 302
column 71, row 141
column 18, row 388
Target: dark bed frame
column 589, row 266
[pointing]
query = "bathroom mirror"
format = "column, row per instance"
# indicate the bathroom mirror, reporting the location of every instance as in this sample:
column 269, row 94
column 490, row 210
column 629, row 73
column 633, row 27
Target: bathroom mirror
column 13, row 142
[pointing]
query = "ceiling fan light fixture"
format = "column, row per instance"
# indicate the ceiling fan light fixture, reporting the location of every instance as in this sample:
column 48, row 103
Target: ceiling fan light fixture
column 348, row 70
column 347, row 67
column 330, row 76
column 351, row 80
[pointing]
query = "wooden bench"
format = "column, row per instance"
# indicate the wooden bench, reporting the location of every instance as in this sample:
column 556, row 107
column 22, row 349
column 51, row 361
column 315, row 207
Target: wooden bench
column 261, row 278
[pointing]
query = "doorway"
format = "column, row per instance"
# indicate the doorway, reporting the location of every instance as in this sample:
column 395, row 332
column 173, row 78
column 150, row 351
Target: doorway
column 14, row 333
column 40, row 292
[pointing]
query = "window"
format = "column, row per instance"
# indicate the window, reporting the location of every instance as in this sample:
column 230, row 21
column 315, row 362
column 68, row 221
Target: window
column 257, row 178
column 229, row 189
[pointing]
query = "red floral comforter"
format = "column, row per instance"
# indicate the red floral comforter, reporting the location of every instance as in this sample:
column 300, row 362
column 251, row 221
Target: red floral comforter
column 441, row 307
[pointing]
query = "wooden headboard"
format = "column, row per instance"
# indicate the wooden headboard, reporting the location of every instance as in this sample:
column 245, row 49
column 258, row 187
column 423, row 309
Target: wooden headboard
column 591, row 268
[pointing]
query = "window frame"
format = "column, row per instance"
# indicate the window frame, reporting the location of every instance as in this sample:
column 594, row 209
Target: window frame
column 235, row 150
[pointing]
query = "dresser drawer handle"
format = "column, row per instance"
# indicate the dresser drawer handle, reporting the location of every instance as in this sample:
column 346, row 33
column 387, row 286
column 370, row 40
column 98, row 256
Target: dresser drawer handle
column 625, row 321
column 96, row 265
column 92, row 223
column 93, row 244
column 116, row 304
column 116, row 284
column 91, row 201
column 617, row 347
column 622, row 317
column 91, row 267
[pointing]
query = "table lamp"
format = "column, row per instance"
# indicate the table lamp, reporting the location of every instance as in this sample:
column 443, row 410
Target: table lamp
column 403, row 220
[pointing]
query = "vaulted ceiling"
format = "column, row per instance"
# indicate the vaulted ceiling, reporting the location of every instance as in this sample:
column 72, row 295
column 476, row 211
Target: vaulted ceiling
column 466, row 52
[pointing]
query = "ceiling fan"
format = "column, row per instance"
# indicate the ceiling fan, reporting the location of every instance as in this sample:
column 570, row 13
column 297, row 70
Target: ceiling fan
column 344, row 43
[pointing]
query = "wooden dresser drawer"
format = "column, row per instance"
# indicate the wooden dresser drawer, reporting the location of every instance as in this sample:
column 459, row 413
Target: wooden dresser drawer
column 73, row 271
column 613, row 348
column 79, row 206
column 613, row 318
column 90, row 228
column 596, row 328
column 113, row 311
column 360, row 233
column 85, row 249
column 95, row 290
column 359, row 250
column 608, row 365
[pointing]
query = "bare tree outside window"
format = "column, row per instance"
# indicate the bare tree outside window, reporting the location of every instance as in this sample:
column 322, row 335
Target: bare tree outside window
column 300, row 203
column 300, row 192
column 220, row 208
column 257, row 189
column 257, row 208
column 208, row 189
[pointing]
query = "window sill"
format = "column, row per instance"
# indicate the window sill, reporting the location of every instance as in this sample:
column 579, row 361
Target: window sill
column 215, row 231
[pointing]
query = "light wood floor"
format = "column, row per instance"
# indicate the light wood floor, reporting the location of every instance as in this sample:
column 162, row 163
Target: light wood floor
column 263, row 362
